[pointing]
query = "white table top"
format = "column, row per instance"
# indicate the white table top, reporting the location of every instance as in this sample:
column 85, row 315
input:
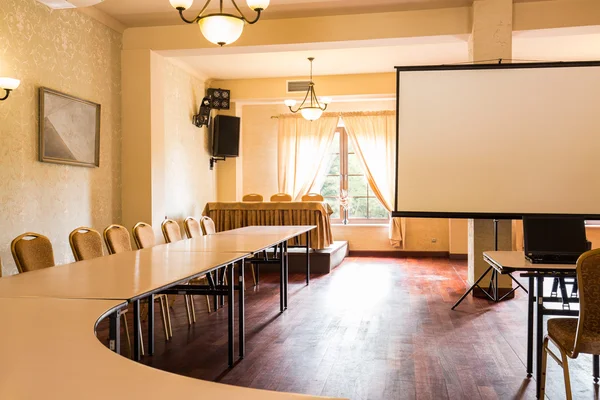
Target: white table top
column 516, row 261
column 242, row 243
column 123, row 276
column 49, row 351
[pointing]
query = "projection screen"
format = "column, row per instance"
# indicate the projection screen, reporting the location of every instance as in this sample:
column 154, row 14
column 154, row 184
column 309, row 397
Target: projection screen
column 498, row 140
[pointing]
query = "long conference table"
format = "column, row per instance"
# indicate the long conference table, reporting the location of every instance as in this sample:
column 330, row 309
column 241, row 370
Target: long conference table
column 51, row 314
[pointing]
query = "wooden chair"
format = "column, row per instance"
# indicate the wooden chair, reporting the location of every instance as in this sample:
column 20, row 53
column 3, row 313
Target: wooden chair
column 143, row 236
column 192, row 228
column 86, row 244
column 281, row 197
column 252, row 197
column 117, row 239
column 32, row 251
column 208, row 228
column 313, row 197
column 172, row 233
column 573, row 336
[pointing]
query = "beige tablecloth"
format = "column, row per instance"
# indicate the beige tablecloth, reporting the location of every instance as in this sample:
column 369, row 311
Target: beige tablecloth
column 231, row 215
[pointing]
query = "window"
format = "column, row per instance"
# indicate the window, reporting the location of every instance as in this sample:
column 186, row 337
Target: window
column 344, row 172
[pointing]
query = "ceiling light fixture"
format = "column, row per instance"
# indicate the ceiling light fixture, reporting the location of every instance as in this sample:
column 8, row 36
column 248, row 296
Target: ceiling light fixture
column 221, row 28
column 314, row 109
column 8, row 84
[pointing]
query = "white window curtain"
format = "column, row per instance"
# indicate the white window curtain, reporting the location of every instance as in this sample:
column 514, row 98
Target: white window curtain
column 302, row 150
column 373, row 136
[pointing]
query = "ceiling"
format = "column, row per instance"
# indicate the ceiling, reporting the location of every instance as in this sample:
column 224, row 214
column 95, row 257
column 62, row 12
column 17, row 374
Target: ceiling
column 567, row 44
column 160, row 12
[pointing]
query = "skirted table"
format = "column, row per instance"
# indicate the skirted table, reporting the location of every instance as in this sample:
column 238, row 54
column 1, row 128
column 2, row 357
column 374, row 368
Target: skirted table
column 232, row 215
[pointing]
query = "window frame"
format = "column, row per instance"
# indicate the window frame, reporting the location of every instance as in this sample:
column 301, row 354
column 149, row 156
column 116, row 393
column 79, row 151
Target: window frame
column 343, row 176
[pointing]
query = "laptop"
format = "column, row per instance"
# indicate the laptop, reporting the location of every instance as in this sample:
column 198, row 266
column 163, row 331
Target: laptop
column 554, row 240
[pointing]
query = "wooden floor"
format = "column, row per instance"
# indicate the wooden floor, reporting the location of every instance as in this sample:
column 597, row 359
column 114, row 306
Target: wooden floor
column 372, row 329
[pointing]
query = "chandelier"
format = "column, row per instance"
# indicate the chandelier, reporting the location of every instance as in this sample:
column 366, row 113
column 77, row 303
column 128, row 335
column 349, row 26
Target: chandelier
column 221, row 28
column 311, row 109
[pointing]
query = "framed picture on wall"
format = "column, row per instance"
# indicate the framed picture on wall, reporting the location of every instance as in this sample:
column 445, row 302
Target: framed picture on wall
column 69, row 129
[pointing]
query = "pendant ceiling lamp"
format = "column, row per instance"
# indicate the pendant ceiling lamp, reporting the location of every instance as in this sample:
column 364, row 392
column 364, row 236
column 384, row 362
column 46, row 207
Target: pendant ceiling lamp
column 221, row 28
column 311, row 109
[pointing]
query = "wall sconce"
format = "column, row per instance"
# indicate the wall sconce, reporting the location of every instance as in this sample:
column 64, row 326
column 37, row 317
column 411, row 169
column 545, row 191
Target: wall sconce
column 8, row 84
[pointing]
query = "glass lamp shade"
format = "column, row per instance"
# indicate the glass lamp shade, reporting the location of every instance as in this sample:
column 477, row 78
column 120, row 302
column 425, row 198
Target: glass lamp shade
column 311, row 113
column 221, row 29
column 9, row 83
column 326, row 100
column 185, row 4
column 258, row 4
column 290, row 103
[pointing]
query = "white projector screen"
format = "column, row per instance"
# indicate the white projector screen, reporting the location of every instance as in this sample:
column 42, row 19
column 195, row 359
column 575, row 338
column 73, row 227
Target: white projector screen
column 499, row 140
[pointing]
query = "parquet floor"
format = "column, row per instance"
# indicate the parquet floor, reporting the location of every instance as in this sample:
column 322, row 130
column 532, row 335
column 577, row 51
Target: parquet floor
column 373, row 329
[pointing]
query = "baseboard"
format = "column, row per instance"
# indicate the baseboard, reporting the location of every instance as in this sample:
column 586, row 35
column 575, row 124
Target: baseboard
column 399, row 254
column 501, row 292
column 459, row 256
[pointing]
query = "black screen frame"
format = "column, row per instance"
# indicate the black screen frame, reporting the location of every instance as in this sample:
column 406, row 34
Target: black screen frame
column 462, row 67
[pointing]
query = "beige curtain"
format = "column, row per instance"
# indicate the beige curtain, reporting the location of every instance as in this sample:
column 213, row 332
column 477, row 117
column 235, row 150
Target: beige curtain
column 373, row 135
column 302, row 149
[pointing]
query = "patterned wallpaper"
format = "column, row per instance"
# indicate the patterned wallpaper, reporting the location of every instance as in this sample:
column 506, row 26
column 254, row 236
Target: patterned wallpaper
column 189, row 183
column 72, row 53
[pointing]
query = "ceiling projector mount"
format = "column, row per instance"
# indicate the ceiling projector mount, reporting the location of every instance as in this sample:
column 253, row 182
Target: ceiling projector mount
column 61, row 4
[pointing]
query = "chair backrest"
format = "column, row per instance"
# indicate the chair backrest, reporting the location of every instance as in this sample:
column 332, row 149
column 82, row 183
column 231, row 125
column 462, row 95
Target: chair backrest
column 117, row 239
column 192, row 227
column 143, row 234
column 588, row 279
column 313, row 197
column 281, row 197
column 32, row 251
column 171, row 231
column 86, row 243
column 208, row 226
column 252, row 197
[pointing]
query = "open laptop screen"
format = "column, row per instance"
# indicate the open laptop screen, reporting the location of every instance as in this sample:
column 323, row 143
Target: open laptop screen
column 554, row 235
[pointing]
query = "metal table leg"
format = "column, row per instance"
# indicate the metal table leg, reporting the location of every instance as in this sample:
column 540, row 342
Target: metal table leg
column 230, row 316
column 136, row 331
column 114, row 341
column 241, row 312
column 531, row 301
column 151, row 324
column 307, row 258
column 596, row 361
column 286, row 275
column 539, row 333
column 281, row 278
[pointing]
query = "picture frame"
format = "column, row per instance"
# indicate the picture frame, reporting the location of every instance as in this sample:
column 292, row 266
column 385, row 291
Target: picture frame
column 69, row 129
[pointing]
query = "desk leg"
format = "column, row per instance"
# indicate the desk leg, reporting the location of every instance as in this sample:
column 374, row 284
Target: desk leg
column 531, row 300
column 151, row 324
column 307, row 258
column 223, row 273
column 136, row 331
column 216, row 299
column 596, row 362
column 230, row 301
column 539, row 334
column 286, row 276
column 281, row 278
column 242, row 312
column 114, row 341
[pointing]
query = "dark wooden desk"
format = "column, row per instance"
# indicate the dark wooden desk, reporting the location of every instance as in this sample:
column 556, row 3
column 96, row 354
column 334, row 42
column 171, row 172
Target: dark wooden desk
column 506, row 262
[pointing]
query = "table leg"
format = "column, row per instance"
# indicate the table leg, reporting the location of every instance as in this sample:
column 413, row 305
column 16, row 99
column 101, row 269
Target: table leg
column 216, row 299
column 242, row 312
column 223, row 272
column 281, row 278
column 136, row 331
column 596, row 361
column 286, row 275
column 151, row 324
column 114, row 341
column 539, row 334
column 230, row 316
column 531, row 301
column 307, row 258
